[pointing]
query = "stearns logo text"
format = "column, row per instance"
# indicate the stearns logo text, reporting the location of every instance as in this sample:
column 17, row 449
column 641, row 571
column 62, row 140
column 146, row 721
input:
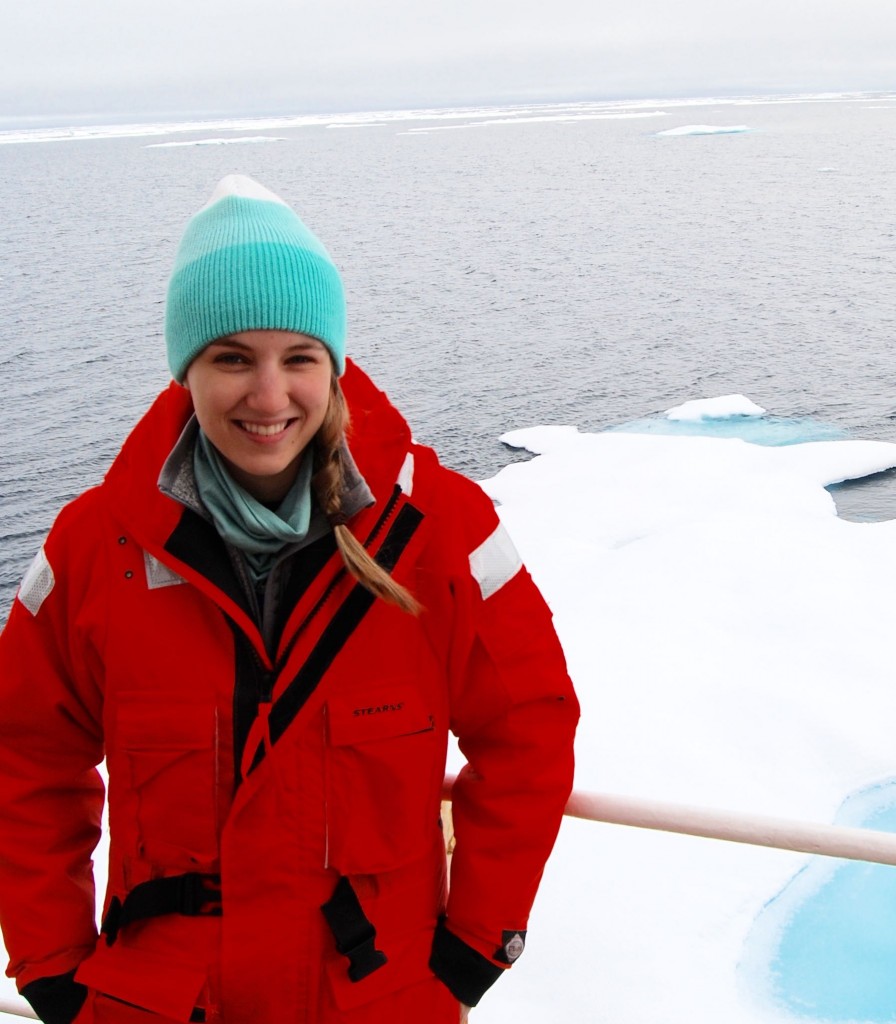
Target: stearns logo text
column 379, row 709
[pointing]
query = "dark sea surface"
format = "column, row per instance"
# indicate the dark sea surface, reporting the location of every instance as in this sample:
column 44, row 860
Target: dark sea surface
column 504, row 268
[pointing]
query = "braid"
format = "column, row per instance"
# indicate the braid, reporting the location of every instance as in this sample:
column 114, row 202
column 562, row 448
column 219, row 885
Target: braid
column 327, row 484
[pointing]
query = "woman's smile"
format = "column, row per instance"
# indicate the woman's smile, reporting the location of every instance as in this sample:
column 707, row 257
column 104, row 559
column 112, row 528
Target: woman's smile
column 265, row 430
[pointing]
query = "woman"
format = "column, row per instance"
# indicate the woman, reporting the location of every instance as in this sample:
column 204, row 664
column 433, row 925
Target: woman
column 267, row 618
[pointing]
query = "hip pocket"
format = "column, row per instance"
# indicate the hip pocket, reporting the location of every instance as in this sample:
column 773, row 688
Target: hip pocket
column 134, row 985
column 109, row 1010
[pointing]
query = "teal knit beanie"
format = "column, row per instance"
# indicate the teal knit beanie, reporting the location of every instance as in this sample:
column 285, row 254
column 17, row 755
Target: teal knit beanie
column 246, row 262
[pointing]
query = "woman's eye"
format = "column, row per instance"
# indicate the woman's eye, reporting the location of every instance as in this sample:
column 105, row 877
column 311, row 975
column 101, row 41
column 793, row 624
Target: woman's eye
column 229, row 359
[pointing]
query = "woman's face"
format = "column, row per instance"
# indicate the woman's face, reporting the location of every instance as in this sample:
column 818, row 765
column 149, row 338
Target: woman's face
column 260, row 397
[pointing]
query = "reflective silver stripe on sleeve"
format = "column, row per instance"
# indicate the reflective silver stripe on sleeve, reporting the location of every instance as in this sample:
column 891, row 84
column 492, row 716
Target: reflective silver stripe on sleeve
column 158, row 574
column 495, row 562
column 37, row 583
column 406, row 476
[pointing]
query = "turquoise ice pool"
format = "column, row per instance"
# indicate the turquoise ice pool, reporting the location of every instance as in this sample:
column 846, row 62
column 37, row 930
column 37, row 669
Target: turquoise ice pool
column 833, row 929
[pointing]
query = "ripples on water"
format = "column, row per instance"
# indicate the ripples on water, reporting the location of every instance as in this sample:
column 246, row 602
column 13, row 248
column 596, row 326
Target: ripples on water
column 585, row 272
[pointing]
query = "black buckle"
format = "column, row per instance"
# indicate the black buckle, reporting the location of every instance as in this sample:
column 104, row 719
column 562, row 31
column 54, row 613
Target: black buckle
column 354, row 934
column 364, row 958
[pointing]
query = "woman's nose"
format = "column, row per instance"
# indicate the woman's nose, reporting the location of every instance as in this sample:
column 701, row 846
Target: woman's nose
column 268, row 392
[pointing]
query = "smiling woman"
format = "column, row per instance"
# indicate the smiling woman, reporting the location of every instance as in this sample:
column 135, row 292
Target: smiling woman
column 267, row 618
column 260, row 398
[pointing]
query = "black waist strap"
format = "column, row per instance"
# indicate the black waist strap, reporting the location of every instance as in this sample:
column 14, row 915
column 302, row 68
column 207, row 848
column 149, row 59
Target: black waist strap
column 191, row 894
column 354, row 934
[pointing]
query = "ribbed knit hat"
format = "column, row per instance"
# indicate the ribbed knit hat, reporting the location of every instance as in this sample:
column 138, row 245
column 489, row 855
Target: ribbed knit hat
column 246, row 262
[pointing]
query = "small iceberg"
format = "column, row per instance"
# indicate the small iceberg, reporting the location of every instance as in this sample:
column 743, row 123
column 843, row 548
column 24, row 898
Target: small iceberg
column 706, row 129
column 721, row 408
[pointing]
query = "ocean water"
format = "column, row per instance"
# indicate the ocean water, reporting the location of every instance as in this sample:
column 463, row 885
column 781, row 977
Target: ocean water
column 504, row 268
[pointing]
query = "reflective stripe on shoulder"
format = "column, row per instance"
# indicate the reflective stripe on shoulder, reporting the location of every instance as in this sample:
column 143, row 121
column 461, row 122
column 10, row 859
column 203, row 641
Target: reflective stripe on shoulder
column 406, row 476
column 495, row 562
column 158, row 574
column 37, row 583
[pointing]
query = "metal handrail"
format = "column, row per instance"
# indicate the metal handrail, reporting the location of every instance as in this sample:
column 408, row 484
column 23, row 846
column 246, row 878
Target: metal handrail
column 730, row 826
column 17, row 1009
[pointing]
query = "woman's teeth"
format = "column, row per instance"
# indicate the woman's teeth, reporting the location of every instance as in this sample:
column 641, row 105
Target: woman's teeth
column 265, row 429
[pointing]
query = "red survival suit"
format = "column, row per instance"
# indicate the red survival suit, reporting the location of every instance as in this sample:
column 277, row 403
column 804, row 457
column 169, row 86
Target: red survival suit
column 276, row 852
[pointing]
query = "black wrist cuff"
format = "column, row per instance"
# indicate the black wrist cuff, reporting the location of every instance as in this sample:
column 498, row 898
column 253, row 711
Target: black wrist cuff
column 56, row 1000
column 466, row 972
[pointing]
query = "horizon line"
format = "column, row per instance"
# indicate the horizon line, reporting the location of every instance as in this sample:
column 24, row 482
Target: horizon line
column 181, row 121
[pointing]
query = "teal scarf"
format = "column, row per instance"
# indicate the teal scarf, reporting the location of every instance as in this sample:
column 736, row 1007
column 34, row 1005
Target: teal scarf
column 260, row 533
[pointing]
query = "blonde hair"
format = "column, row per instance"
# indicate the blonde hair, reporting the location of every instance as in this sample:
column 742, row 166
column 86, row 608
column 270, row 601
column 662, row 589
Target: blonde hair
column 328, row 485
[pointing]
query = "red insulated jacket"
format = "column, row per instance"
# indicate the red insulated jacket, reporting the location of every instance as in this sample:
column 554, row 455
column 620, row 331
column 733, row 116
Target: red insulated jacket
column 276, row 852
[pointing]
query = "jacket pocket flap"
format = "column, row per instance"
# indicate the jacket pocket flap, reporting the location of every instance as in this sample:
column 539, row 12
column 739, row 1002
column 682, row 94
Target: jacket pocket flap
column 378, row 711
column 144, row 979
column 162, row 724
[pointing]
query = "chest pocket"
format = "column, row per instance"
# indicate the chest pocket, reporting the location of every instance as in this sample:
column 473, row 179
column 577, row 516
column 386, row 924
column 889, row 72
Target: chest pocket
column 166, row 751
column 382, row 777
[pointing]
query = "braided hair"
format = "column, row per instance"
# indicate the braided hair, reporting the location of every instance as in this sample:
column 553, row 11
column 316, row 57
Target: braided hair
column 328, row 484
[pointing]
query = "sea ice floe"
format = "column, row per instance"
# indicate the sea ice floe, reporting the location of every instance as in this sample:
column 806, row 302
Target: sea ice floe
column 706, row 129
column 239, row 140
column 731, row 642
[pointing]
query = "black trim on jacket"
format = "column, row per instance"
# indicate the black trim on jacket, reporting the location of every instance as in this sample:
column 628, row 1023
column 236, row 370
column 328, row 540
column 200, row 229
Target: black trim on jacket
column 252, row 685
column 196, row 542
column 467, row 973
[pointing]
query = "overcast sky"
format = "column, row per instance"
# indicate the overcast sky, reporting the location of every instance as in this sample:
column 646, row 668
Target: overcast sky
column 154, row 57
